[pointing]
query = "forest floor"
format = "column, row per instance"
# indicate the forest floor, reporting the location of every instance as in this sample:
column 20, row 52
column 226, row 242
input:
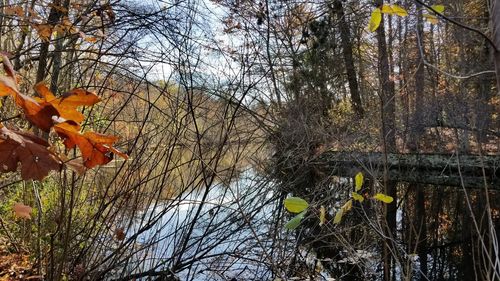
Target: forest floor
column 15, row 266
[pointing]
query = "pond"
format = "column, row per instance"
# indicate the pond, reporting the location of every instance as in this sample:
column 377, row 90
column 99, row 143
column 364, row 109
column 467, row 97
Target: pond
column 235, row 232
column 216, row 234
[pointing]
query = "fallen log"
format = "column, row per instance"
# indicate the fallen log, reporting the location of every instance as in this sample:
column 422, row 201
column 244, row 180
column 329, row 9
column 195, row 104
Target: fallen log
column 471, row 171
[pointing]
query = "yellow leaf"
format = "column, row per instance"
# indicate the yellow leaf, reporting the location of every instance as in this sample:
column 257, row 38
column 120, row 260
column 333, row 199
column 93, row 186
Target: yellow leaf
column 431, row 18
column 338, row 216
column 347, row 206
column 399, row 11
column 387, row 9
column 295, row 204
column 322, row 214
column 384, row 198
column 438, row 8
column 358, row 197
column 358, row 180
column 22, row 210
column 375, row 20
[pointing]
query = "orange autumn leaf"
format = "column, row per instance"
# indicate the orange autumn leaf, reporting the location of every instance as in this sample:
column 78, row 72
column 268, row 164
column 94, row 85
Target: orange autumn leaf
column 66, row 104
column 44, row 92
column 46, row 112
column 90, row 39
column 30, row 151
column 7, row 86
column 79, row 97
column 96, row 148
column 39, row 114
column 13, row 11
column 44, row 31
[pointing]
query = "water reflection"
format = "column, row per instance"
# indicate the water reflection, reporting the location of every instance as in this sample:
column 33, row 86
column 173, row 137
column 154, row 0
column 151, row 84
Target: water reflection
column 209, row 236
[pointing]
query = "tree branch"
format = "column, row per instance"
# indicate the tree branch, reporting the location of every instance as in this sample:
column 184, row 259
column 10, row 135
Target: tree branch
column 459, row 24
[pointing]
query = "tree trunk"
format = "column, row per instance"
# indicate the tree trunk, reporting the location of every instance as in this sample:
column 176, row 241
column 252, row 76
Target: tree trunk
column 388, row 107
column 345, row 35
column 484, row 85
column 387, row 91
column 417, row 124
column 57, row 60
column 495, row 27
column 53, row 19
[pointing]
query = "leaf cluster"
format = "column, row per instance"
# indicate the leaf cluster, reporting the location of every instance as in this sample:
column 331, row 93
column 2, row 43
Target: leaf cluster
column 49, row 114
column 299, row 205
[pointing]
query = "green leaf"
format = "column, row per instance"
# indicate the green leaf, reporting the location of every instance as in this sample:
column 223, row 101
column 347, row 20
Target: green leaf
column 384, row 198
column 295, row 221
column 438, row 8
column 358, row 180
column 375, row 20
column 358, row 197
column 295, row 204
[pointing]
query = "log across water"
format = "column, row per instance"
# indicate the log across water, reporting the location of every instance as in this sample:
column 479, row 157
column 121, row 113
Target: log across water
column 436, row 169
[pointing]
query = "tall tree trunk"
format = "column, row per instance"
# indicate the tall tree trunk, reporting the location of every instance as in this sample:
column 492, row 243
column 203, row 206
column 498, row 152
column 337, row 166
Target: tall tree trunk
column 417, row 124
column 483, row 109
column 345, row 35
column 57, row 60
column 52, row 20
column 495, row 26
column 415, row 134
column 388, row 108
column 402, row 70
column 387, row 96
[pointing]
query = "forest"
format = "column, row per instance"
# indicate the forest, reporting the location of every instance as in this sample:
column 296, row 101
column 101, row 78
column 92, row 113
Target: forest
column 250, row 140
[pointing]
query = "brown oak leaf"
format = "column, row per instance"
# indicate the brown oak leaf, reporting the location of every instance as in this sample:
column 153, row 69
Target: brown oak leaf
column 29, row 150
